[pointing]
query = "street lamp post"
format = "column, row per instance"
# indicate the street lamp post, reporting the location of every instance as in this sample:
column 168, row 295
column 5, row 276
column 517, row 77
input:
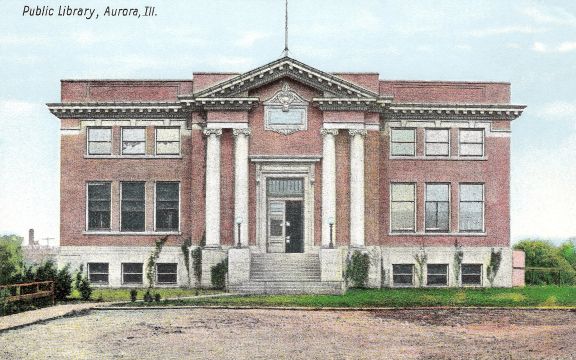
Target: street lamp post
column 239, row 223
column 331, row 224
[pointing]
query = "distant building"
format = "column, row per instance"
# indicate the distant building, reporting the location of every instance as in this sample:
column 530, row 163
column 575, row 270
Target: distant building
column 298, row 166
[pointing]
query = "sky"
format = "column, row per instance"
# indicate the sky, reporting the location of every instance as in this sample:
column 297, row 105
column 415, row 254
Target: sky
column 531, row 44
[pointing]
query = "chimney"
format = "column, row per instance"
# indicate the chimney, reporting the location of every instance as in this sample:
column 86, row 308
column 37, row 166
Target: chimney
column 30, row 237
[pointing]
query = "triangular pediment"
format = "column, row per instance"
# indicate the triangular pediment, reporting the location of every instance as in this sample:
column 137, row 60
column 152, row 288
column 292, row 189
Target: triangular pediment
column 286, row 67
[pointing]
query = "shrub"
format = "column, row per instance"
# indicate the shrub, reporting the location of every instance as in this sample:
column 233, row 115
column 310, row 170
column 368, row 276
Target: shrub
column 157, row 297
column 62, row 278
column 218, row 274
column 11, row 259
column 133, row 295
column 568, row 251
column 540, row 253
column 85, row 289
column 357, row 269
column 148, row 296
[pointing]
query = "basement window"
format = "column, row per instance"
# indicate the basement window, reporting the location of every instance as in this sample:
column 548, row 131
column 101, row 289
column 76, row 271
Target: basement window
column 437, row 274
column 166, row 273
column 98, row 273
column 471, row 274
column 403, row 274
column 132, row 273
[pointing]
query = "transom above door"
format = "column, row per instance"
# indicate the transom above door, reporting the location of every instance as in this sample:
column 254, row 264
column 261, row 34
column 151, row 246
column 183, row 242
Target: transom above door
column 285, row 215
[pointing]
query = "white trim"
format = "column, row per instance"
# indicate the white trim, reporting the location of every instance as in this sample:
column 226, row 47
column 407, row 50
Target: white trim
column 70, row 131
column 344, row 125
column 227, row 125
column 285, row 158
column 141, row 233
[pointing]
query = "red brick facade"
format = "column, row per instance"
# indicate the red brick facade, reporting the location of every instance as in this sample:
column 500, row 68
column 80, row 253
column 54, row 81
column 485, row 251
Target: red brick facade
column 453, row 105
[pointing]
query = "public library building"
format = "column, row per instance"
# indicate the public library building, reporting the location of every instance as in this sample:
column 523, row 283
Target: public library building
column 285, row 171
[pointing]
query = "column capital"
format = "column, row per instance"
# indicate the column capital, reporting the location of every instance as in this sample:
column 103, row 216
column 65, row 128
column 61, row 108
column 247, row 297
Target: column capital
column 325, row 132
column 354, row 132
column 242, row 131
column 209, row 131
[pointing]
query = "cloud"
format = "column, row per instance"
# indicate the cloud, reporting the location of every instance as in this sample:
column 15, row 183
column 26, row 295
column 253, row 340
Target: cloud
column 13, row 39
column 507, row 30
column 543, row 202
column 558, row 110
column 248, row 39
column 550, row 15
column 563, row 47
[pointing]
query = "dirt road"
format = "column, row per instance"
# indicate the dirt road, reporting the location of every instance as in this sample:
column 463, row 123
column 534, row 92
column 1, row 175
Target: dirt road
column 278, row 334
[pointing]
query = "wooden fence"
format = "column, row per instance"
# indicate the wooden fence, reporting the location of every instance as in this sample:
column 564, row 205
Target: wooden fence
column 26, row 291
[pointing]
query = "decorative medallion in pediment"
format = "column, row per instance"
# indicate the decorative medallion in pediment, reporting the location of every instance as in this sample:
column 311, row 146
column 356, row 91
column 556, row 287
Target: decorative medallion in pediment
column 286, row 112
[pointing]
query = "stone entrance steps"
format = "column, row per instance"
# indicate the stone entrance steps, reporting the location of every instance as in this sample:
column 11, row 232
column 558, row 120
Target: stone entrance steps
column 286, row 274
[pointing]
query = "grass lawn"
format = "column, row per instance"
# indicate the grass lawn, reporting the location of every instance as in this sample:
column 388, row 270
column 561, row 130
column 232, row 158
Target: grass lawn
column 532, row 296
column 124, row 294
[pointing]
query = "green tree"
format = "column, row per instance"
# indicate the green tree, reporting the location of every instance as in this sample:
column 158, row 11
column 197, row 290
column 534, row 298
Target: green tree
column 568, row 251
column 543, row 254
column 11, row 259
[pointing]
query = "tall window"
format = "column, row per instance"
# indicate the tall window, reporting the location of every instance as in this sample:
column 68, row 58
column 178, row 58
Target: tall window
column 403, row 142
column 133, row 206
column 437, row 142
column 131, row 273
column 437, row 274
column 167, row 206
column 133, row 141
column 98, row 273
column 168, row 141
column 403, row 207
column 99, row 141
column 471, row 142
column 98, row 206
column 471, row 207
column 437, row 207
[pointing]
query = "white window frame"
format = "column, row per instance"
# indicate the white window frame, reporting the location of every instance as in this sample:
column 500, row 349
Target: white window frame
column 179, row 140
column 426, row 229
column 179, row 206
column 414, row 143
column 460, row 142
column 426, row 142
column 123, row 273
column 447, row 274
column 88, row 129
column 90, row 273
column 483, row 230
column 120, row 210
column 174, row 273
column 414, row 227
column 394, row 284
column 87, row 205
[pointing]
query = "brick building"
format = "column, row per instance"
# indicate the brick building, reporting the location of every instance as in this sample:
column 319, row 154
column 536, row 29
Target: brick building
column 285, row 170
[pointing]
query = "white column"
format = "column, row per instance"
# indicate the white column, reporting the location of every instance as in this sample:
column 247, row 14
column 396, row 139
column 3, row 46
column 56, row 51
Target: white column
column 241, row 184
column 357, row 187
column 213, row 187
column 328, row 184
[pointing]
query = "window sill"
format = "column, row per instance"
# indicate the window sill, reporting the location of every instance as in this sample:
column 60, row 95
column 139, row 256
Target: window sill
column 436, row 158
column 131, row 157
column 131, row 233
column 437, row 234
